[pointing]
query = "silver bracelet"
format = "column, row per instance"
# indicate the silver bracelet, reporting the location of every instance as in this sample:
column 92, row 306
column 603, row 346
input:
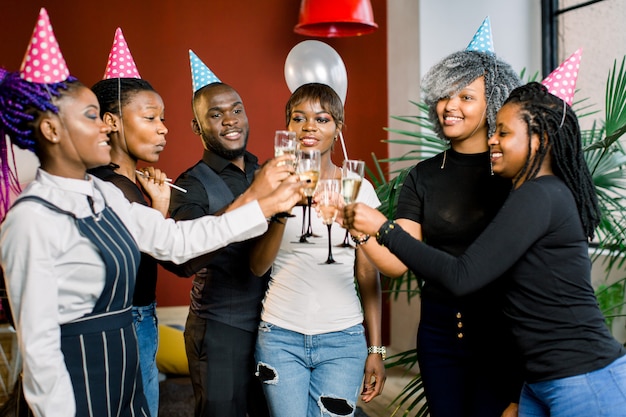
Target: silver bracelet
column 381, row 350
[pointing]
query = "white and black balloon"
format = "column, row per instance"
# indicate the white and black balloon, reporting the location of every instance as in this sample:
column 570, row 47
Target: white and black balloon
column 313, row 61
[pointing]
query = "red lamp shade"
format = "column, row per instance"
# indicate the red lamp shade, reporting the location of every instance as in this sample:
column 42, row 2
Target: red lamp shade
column 335, row 18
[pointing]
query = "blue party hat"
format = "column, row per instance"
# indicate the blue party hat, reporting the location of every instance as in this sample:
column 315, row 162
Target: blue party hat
column 201, row 75
column 482, row 41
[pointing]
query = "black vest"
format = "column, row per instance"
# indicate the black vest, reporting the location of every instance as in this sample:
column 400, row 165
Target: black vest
column 226, row 290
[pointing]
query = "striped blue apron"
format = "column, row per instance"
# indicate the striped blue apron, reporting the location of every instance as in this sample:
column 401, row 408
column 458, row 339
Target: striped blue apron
column 100, row 348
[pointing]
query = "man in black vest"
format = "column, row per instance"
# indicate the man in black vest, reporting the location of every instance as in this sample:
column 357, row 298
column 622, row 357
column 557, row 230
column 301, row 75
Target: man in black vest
column 220, row 332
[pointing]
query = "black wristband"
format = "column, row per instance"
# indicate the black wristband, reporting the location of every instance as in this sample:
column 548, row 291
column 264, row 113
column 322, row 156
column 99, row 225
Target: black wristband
column 384, row 231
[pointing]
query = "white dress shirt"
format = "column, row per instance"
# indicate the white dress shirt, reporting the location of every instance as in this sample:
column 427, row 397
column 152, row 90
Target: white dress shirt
column 55, row 275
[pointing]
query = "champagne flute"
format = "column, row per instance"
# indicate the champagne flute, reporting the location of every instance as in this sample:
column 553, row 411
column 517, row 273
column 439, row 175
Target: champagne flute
column 328, row 195
column 308, row 168
column 352, row 173
column 285, row 143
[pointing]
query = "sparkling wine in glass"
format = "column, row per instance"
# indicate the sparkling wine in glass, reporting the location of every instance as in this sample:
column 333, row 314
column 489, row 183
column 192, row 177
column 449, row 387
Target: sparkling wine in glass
column 328, row 199
column 352, row 173
column 285, row 143
column 308, row 168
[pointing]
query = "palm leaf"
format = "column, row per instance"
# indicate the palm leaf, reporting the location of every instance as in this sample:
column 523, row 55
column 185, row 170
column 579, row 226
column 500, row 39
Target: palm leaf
column 616, row 102
column 412, row 396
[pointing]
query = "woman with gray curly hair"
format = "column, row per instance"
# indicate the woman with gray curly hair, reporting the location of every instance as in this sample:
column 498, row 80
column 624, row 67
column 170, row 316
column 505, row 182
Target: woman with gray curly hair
column 464, row 353
column 457, row 71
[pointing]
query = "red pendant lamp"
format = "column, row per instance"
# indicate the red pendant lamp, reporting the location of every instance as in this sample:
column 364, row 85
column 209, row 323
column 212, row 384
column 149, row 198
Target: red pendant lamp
column 335, row 18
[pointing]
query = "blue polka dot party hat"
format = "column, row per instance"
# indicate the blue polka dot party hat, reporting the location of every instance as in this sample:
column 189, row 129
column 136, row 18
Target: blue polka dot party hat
column 482, row 40
column 201, row 75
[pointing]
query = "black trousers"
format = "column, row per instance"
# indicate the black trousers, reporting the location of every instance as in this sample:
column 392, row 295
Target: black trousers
column 221, row 365
column 467, row 361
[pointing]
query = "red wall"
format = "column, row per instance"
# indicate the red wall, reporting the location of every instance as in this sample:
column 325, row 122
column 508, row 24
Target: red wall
column 245, row 44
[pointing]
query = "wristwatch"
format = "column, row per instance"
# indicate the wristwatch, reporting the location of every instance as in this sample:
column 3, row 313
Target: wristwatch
column 378, row 349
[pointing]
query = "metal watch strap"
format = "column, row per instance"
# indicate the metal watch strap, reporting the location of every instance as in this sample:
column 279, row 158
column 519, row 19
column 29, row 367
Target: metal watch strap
column 378, row 349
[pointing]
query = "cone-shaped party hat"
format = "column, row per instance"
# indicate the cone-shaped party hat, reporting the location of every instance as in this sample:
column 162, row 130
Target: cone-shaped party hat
column 562, row 81
column 482, row 40
column 121, row 63
column 43, row 62
column 201, row 75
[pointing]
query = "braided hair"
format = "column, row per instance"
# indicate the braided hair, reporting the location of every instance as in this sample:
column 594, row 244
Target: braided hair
column 114, row 93
column 21, row 105
column 457, row 71
column 556, row 126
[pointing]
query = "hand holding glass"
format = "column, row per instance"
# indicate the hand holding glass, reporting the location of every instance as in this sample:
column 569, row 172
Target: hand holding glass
column 285, row 143
column 351, row 178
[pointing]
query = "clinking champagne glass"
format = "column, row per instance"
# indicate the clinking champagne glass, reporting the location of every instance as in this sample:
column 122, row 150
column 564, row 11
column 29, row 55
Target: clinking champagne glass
column 285, row 143
column 308, row 168
column 352, row 173
column 328, row 199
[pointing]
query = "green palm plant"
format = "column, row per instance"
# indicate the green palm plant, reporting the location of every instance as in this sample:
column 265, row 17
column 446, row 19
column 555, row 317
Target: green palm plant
column 606, row 159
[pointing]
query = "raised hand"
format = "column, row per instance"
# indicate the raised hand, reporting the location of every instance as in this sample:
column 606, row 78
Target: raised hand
column 271, row 175
column 154, row 183
column 362, row 218
column 283, row 198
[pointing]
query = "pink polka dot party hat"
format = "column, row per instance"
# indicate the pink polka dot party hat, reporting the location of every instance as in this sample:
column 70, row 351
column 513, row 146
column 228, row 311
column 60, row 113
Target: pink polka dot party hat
column 121, row 63
column 562, row 81
column 43, row 62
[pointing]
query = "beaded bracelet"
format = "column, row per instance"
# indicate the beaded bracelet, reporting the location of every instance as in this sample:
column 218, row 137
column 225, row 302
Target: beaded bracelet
column 384, row 230
column 360, row 240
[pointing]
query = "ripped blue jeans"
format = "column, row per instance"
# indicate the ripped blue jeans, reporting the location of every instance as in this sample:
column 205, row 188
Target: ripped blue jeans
column 311, row 375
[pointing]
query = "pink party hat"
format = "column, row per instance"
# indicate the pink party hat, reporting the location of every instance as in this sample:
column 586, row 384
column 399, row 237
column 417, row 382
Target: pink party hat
column 43, row 62
column 562, row 81
column 121, row 63
column 482, row 40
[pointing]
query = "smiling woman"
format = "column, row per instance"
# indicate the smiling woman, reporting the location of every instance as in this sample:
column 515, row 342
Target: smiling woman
column 537, row 247
column 447, row 200
column 311, row 303
column 511, row 147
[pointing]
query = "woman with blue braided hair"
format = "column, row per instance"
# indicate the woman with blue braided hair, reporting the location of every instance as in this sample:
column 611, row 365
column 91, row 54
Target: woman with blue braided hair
column 70, row 244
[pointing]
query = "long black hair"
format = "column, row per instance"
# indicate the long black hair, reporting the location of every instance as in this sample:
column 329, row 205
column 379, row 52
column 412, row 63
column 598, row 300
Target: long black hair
column 556, row 126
